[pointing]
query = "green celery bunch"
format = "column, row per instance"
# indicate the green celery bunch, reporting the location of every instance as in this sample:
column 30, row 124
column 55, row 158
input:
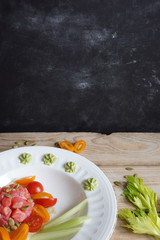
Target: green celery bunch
column 145, row 218
column 63, row 226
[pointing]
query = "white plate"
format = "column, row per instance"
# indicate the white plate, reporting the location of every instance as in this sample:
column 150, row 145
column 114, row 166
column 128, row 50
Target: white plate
column 67, row 187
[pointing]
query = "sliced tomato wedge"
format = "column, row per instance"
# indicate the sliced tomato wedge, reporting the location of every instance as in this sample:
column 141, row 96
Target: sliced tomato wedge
column 42, row 195
column 66, row 145
column 21, row 232
column 41, row 211
column 46, row 202
column 34, row 221
column 4, row 235
column 79, row 146
column 26, row 180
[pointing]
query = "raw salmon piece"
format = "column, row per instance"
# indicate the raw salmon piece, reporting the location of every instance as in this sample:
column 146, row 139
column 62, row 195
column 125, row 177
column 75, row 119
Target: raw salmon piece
column 17, row 202
column 18, row 215
column 6, row 202
column 5, row 210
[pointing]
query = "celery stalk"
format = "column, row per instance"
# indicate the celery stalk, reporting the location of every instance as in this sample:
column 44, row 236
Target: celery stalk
column 66, row 215
column 66, row 225
column 145, row 219
column 55, row 235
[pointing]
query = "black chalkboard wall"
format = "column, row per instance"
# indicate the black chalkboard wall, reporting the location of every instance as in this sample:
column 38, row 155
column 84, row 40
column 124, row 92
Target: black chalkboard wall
column 86, row 65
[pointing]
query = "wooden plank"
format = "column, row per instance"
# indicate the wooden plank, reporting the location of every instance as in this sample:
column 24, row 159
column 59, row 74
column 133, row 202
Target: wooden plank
column 112, row 153
column 115, row 149
column 151, row 178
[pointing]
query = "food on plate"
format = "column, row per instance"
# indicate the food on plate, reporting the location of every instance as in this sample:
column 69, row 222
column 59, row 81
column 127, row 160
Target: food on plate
column 24, row 213
column 49, row 159
column 42, row 212
column 21, row 232
column 66, row 215
column 144, row 219
column 63, row 226
column 4, row 234
column 34, row 222
column 42, row 195
column 90, row 184
column 18, row 209
column 26, row 180
column 70, row 167
column 25, row 158
column 14, row 204
column 46, row 202
column 35, row 187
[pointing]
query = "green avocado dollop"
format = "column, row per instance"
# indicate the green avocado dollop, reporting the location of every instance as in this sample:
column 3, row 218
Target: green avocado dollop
column 70, row 167
column 49, row 159
column 90, row 184
column 25, row 158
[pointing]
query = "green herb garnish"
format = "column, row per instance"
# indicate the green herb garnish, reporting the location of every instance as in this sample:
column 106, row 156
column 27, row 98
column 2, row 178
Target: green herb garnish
column 25, row 207
column 17, row 186
column 7, row 195
column 9, row 189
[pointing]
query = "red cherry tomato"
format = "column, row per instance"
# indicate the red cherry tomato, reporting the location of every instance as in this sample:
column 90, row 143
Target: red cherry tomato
column 35, row 187
column 46, row 202
column 34, row 222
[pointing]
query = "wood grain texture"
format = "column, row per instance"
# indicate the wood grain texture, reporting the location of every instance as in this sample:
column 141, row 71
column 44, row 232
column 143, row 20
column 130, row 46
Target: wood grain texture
column 112, row 153
column 115, row 149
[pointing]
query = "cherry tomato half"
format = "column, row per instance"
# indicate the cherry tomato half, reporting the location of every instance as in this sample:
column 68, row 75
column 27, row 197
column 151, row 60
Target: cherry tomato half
column 26, row 180
column 20, row 233
column 79, row 146
column 42, row 195
column 41, row 211
column 4, row 234
column 34, row 221
column 35, row 187
column 46, row 202
column 66, row 145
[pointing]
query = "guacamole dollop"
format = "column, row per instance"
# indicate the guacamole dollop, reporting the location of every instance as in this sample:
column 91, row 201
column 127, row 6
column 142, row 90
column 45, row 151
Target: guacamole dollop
column 90, row 184
column 25, row 158
column 49, row 159
column 70, row 167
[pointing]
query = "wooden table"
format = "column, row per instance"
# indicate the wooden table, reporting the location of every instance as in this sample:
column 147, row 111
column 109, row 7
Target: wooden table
column 112, row 154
